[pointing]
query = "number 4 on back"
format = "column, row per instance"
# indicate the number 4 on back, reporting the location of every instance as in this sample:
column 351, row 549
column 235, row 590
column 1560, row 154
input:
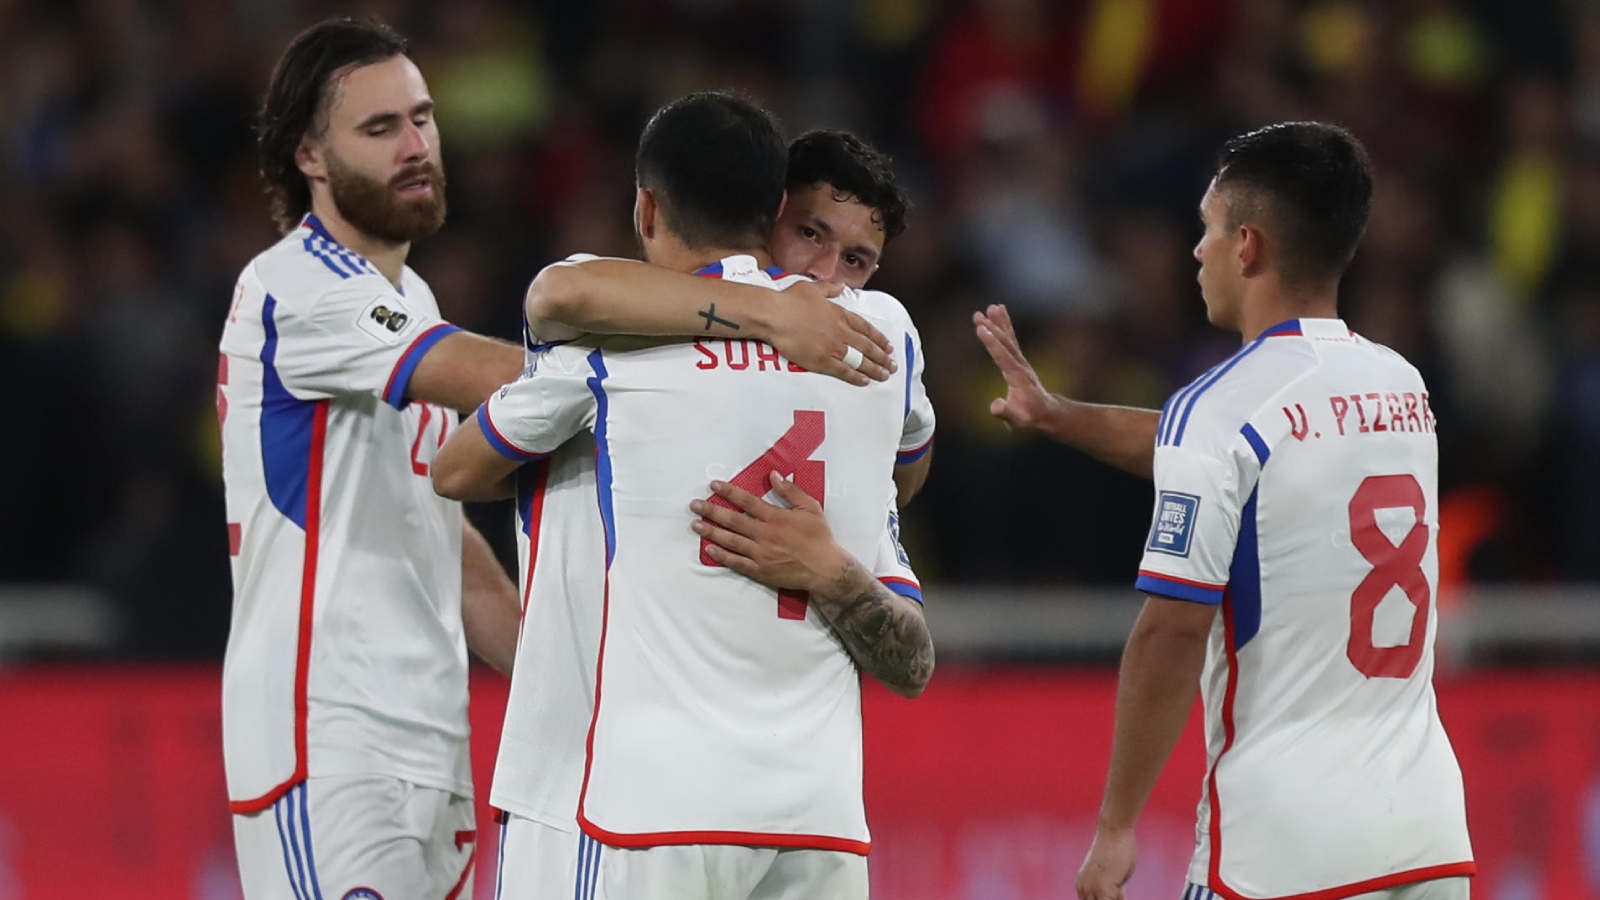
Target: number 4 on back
column 788, row 457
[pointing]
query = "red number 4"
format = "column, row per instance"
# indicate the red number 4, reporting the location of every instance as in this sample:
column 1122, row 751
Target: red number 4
column 1393, row 565
column 788, row 457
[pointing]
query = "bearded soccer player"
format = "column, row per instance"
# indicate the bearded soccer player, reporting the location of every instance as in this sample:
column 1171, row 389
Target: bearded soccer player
column 1296, row 495
column 358, row 591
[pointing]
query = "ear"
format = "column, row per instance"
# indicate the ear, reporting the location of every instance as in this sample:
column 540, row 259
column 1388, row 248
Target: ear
column 310, row 159
column 1252, row 251
column 645, row 213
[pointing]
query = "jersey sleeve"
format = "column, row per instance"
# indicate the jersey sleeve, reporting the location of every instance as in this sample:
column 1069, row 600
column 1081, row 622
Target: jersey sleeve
column 360, row 338
column 1195, row 526
column 892, row 566
column 551, row 401
column 917, row 435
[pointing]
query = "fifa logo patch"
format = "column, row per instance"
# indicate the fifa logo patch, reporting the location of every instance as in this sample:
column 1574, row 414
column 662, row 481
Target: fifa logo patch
column 394, row 321
column 1174, row 524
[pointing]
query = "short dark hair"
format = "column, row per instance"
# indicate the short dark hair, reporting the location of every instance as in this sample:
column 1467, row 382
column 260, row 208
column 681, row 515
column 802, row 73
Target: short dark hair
column 1310, row 181
column 853, row 167
column 716, row 162
column 297, row 99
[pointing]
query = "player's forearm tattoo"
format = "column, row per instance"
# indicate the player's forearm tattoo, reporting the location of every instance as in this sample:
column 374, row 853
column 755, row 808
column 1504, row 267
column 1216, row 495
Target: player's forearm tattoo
column 885, row 634
column 711, row 317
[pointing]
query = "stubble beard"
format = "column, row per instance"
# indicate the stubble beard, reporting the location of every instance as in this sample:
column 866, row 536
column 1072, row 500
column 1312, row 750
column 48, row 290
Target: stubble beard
column 374, row 207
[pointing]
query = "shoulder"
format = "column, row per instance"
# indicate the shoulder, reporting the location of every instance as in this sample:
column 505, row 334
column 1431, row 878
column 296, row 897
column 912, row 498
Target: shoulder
column 303, row 280
column 877, row 305
column 1212, row 409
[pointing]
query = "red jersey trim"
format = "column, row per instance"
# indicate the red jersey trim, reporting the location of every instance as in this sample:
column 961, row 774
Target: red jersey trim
column 1412, row 876
column 535, row 518
column 1162, row 576
column 1216, row 884
column 407, row 363
column 734, row 838
column 308, row 592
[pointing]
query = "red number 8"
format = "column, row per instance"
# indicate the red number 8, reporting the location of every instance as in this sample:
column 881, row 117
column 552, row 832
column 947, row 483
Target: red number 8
column 1392, row 566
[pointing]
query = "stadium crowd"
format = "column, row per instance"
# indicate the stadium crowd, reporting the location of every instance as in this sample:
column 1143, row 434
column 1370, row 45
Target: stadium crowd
column 1053, row 150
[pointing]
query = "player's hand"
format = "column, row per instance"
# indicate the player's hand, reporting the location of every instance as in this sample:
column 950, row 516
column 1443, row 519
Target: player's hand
column 1026, row 403
column 787, row 548
column 1108, row 866
column 816, row 333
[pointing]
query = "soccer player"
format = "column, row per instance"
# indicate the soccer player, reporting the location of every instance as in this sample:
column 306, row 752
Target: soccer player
column 715, row 738
column 1296, row 495
column 842, row 207
column 357, row 590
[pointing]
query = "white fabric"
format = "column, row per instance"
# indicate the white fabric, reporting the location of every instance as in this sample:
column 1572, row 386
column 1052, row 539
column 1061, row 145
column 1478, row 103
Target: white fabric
column 719, row 720
column 1328, row 762
column 362, row 838
column 315, row 344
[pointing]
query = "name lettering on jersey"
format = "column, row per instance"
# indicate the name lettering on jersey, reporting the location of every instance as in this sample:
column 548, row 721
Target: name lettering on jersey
column 1174, row 525
column 1379, row 411
column 1370, row 413
column 384, row 319
column 742, row 355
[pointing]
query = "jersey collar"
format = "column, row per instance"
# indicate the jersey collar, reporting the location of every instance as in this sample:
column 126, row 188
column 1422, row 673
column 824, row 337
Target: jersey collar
column 715, row 269
column 1316, row 328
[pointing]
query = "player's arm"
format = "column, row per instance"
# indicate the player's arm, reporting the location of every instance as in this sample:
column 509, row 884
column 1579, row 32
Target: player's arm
column 910, row 477
column 1155, row 691
column 1120, row 436
column 463, row 369
column 884, row 632
column 469, row 467
column 490, row 612
column 619, row 296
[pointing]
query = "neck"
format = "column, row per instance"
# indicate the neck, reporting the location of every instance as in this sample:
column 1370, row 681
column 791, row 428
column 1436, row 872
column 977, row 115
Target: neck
column 1274, row 303
column 389, row 258
column 670, row 253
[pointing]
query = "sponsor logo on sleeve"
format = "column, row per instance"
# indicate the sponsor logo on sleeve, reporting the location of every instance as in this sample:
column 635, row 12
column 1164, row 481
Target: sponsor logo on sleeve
column 361, row 893
column 385, row 319
column 1174, row 525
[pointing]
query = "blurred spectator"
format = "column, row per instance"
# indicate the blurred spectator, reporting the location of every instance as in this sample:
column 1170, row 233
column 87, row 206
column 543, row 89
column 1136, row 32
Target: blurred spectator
column 1054, row 150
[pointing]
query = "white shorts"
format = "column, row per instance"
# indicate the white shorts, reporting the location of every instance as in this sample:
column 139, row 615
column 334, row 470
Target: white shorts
column 538, row 861
column 358, row 838
column 1456, row 888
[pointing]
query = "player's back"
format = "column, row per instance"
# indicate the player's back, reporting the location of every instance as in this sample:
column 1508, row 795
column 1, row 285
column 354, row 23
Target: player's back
column 723, row 712
column 1329, row 763
column 723, row 707
column 346, row 653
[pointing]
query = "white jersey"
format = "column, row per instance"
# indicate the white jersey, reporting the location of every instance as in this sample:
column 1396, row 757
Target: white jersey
column 1297, row 486
column 658, row 699
column 346, row 654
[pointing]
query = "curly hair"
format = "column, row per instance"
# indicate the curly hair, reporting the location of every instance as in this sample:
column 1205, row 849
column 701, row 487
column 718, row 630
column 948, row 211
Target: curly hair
column 853, row 167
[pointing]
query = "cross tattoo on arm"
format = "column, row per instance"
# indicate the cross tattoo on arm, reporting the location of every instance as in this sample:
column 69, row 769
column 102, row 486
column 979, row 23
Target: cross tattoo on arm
column 711, row 317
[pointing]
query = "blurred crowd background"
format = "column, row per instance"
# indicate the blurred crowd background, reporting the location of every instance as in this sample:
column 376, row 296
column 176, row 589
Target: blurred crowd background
column 1054, row 151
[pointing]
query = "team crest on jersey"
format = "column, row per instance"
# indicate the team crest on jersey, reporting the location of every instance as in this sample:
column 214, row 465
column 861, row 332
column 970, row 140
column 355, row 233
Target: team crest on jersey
column 1174, row 523
column 383, row 319
column 362, row 894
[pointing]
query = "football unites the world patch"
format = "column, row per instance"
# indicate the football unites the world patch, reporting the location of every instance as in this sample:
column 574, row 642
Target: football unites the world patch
column 1174, row 524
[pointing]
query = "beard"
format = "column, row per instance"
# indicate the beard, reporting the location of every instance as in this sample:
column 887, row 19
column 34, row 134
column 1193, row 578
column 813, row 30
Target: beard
column 374, row 207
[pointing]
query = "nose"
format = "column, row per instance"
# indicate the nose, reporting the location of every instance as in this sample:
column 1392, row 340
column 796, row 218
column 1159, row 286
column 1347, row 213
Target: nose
column 413, row 144
column 824, row 266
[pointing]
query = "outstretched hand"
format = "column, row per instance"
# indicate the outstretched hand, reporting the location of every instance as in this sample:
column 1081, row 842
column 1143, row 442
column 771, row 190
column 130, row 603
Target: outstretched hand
column 816, row 333
column 788, row 549
column 1026, row 402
